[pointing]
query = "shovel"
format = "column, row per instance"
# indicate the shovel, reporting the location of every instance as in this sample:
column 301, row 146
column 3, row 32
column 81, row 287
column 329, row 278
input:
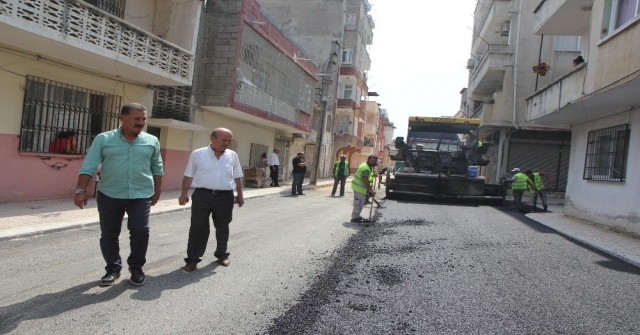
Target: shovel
column 527, row 208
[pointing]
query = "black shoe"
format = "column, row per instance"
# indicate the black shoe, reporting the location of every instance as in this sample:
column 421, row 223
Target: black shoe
column 301, row 194
column 137, row 276
column 333, row 194
column 109, row 278
column 357, row 220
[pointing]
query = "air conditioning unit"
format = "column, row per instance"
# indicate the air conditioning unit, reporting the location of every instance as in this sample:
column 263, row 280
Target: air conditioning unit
column 471, row 63
column 504, row 30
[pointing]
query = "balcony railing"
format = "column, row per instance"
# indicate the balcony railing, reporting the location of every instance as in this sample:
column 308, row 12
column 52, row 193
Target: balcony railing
column 78, row 20
column 256, row 98
column 489, row 49
column 483, row 19
column 369, row 141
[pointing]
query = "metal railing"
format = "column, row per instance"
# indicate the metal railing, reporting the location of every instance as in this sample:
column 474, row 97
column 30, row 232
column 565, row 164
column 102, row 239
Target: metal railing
column 256, row 98
column 485, row 54
column 113, row 7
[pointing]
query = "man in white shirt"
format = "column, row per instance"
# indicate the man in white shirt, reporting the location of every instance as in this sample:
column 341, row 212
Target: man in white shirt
column 214, row 171
column 274, row 162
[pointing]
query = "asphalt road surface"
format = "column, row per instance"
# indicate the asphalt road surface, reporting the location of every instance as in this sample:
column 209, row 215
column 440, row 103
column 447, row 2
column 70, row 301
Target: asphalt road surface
column 299, row 267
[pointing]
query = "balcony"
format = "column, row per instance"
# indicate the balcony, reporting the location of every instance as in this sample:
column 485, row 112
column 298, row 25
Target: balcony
column 369, row 141
column 256, row 98
column 562, row 102
column 489, row 72
column 85, row 36
column 347, row 104
column 494, row 114
column 343, row 139
column 562, row 17
column 370, row 128
column 492, row 20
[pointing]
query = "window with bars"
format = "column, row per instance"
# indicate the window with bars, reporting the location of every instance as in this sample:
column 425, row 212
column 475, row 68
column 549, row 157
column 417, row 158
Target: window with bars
column 607, row 150
column 62, row 118
column 113, row 7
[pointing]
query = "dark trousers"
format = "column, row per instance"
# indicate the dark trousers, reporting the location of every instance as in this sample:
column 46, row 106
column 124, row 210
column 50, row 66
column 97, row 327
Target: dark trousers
column 220, row 207
column 274, row 175
column 543, row 197
column 517, row 197
column 111, row 212
column 296, row 187
column 342, row 180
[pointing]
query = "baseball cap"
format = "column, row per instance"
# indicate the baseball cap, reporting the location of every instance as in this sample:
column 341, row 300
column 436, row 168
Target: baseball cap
column 515, row 170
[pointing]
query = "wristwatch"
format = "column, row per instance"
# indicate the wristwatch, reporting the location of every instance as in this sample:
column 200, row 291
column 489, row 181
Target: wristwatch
column 79, row 190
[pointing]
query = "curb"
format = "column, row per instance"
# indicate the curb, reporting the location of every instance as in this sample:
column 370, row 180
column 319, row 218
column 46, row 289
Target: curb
column 95, row 222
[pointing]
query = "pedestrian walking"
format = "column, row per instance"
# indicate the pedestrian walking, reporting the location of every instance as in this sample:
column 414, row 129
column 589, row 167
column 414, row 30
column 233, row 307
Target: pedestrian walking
column 131, row 182
column 299, row 170
column 340, row 173
column 538, row 188
column 362, row 184
column 214, row 171
column 274, row 162
column 519, row 183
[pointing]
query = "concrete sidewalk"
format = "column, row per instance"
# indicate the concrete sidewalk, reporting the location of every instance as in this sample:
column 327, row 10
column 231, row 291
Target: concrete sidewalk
column 19, row 220
column 619, row 245
column 24, row 219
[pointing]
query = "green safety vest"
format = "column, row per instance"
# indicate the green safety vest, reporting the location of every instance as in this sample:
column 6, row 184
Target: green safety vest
column 521, row 182
column 479, row 144
column 357, row 184
column 537, row 181
column 346, row 168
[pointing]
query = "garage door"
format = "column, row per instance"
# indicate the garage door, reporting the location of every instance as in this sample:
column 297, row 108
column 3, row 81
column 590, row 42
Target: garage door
column 550, row 158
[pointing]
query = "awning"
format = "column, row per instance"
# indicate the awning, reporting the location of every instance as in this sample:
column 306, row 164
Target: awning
column 171, row 123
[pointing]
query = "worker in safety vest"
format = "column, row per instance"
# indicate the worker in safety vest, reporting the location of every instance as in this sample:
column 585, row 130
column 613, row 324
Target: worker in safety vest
column 538, row 188
column 519, row 183
column 361, row 184
column 340, row 173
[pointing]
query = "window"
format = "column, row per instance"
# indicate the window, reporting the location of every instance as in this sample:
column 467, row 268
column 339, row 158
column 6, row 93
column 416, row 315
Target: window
column 617, row 13
column 347, row 56
column 348, row 91
column 606, row 157
column 350, row 22
column 568, row 43
column 54, row 111
column 344, row 124
column 113, row 7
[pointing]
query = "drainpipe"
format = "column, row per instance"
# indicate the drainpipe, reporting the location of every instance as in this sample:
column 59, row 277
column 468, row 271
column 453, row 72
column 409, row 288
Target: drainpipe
column 515, row 90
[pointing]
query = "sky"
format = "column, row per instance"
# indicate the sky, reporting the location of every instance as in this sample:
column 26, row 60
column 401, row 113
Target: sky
column 418, row 57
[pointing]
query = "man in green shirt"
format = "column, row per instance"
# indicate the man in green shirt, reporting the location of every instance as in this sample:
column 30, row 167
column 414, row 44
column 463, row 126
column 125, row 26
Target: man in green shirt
column 340, row 174
column 131, row 182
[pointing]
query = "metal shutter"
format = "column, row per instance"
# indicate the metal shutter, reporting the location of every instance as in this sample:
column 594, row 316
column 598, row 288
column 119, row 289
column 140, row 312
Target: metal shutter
column 550, row 158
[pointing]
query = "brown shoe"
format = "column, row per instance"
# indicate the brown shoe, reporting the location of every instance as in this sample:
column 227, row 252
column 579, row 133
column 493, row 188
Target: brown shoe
column 224, row 262
column 191, row 266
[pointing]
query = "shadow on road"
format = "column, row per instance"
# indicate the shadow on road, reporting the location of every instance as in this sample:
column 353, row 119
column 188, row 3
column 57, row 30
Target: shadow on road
column 53, row 304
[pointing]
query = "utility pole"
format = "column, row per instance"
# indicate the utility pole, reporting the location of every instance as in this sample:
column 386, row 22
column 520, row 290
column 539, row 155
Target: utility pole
column 327, row 78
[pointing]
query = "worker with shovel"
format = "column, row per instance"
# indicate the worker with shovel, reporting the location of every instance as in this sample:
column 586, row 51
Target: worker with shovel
column 361, row 184
column 538, row 188
column 520, row 182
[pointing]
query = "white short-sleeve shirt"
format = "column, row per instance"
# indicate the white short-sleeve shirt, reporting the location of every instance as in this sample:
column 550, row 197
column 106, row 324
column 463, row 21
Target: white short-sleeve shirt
column 273, row 159
column 210, row 172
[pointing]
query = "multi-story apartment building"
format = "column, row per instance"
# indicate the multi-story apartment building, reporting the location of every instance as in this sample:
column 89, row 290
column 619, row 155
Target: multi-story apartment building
column 254, row 79
column 317, row 25
column 67, row 66
column 598, row 99
column 504, row 50
column 349, row 131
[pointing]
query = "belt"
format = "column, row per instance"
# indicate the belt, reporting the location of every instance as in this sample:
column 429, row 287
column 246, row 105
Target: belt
column 214, row 191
